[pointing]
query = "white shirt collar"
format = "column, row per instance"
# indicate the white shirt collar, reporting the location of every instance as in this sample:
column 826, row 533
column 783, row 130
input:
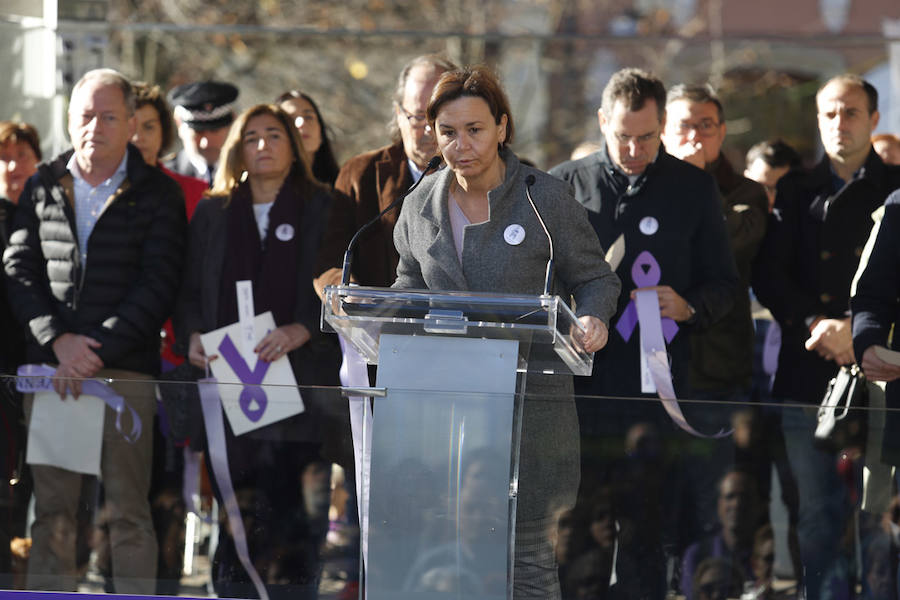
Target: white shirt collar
column 200, row 164
column 75, row 170
column 414, row 170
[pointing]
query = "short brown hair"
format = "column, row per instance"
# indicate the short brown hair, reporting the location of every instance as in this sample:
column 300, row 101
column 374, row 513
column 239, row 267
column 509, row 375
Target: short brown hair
column 11, row 132
column 699, row 94
column 474, row 82
column 633, row 87
column 151, row 95
column 853, row 80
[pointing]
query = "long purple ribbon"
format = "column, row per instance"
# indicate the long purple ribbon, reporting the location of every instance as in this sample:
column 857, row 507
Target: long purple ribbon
column 211, row 404
column 252, row 380
column 354, row 374
column 645, row 272
column 39, row 378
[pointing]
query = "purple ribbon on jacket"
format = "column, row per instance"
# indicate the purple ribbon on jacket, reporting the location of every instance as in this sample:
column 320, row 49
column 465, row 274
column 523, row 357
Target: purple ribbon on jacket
column 645, row 272
column 39, row 378
column 252, row 380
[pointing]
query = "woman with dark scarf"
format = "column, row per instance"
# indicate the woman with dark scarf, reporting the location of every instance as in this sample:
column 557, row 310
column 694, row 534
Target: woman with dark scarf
column 313, row 133
column 262, row 222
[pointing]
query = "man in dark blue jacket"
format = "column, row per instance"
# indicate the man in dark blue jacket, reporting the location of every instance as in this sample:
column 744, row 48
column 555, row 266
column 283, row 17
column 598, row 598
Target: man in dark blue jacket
column 93, row 266
column 803, row 272
column 642, row 200
column 635, row 192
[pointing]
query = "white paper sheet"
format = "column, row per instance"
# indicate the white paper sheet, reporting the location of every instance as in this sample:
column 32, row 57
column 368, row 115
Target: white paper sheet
column 66, row 433
column 263, row 400
column 246, row 312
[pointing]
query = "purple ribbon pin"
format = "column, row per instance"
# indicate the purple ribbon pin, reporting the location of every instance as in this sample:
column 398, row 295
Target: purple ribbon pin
column 252, row 380
column 645, row 272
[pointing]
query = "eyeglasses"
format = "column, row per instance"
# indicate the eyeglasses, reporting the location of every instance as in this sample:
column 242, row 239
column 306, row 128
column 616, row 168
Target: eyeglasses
column 416, row 120
column 706, row 127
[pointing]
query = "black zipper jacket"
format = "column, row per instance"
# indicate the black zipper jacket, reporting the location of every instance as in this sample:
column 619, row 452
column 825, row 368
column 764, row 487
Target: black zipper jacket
column 127, row 288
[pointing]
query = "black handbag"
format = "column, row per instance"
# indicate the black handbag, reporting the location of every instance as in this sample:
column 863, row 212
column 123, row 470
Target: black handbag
column 841, row 422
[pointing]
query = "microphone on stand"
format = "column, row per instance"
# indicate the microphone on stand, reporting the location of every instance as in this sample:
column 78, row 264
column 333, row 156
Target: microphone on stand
column 348, row 255
column 548, row 276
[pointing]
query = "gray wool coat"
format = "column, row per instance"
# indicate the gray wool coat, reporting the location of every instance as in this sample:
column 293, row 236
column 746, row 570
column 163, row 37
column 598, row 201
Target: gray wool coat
column 423, row 236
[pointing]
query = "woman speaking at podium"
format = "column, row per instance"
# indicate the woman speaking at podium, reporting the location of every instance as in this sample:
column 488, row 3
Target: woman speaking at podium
column 473, row 224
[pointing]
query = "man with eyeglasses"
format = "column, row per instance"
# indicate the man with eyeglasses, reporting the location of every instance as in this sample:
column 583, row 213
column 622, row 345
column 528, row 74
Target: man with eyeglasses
column 722, row 354
column 639, row 194
column 368, row 183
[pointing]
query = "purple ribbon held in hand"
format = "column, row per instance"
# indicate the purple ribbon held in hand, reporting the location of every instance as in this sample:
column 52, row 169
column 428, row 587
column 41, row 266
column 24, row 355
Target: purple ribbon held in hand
column 645, row 272
column 39, row 378
column 252, row 380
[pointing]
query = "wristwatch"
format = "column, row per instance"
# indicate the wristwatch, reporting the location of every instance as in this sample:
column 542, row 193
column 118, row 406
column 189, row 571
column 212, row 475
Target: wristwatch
column 693, row 316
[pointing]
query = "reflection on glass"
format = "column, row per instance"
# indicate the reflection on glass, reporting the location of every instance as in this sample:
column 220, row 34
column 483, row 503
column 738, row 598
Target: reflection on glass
column 635, row 530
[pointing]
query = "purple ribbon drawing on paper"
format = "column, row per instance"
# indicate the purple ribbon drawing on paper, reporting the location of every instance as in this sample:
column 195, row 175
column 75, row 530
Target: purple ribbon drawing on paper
column 251, row 380
column 645, row 272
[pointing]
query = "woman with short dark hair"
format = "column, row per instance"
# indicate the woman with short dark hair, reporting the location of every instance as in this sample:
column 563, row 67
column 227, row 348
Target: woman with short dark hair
column 153, row 136
column 20, row 153
column 472, row 222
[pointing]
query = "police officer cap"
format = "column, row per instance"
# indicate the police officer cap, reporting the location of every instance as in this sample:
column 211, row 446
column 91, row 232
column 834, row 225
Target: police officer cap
column 204, row 105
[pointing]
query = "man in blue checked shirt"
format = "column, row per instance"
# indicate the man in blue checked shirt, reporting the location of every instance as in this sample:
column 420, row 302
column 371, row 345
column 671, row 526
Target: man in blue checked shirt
column 93, row 262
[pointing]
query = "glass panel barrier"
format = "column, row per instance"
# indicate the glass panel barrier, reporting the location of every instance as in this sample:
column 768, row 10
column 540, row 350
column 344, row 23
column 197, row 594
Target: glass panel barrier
column 606, row 497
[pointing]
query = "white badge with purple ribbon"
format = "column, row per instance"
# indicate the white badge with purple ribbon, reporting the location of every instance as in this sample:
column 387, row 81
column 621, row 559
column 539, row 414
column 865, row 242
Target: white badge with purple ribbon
column 254, row 393
column 648, row 225
column 285, row 232
column 514, row 234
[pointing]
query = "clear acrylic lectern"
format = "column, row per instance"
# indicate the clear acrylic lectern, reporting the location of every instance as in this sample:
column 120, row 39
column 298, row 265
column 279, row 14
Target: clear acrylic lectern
column 445, row 437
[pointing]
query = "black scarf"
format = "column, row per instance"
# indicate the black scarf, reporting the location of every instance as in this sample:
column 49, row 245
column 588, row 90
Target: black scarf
column 270, row 266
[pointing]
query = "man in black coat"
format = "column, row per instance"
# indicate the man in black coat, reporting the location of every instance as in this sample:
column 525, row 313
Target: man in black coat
column 822, row 219
column 722, row 355
column 638, row 193
column 93, row 265
column 370, row 182
column 876, row 310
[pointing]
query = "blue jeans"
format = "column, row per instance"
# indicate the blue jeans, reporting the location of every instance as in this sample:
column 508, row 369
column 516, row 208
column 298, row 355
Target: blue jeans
column 825, row 508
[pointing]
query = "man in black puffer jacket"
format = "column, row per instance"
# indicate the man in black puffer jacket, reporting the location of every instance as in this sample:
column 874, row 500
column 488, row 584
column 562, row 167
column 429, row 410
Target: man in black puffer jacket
column 93, row 266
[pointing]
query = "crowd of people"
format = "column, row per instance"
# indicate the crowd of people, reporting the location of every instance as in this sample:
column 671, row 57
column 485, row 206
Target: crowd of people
column 118, row 256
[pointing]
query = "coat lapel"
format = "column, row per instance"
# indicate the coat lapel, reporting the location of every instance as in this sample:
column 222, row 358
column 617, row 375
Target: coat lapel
column 393, row 177
column 212, row 277
column 442, row 246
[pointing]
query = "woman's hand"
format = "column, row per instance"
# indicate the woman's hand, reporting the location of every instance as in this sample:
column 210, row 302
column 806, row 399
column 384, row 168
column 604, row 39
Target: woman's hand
column 282, row 340
column 196, row 355
column 596, row 334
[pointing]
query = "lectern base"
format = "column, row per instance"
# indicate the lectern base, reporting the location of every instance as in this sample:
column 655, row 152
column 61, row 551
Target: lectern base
column 440, row 508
